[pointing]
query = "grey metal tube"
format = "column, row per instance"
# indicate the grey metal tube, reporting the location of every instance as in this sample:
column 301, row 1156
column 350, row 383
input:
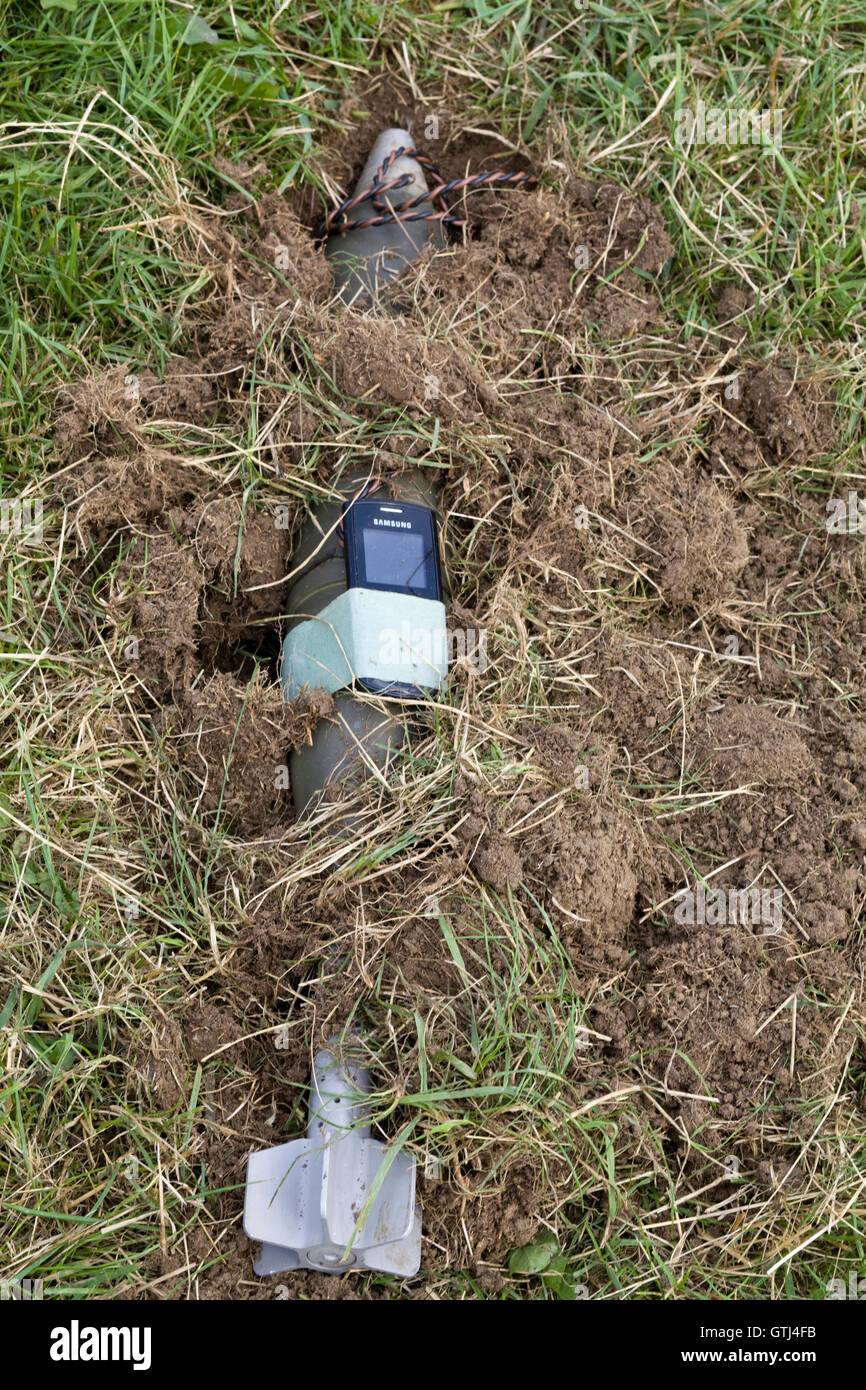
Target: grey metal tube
column 366, row 260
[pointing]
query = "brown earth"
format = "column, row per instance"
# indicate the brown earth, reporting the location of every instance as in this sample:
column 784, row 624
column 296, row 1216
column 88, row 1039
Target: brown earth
column 233, row 743
column 714, row 727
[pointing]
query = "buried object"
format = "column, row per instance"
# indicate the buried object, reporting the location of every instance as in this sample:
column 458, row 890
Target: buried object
column 339, row 1200
column 386, row 631
column 393, row 215
column 366, row 611
column 336, row 1200
column 365, row 258
column 366, row 618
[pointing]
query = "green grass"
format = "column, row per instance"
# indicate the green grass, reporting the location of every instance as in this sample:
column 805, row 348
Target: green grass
column 110, row 118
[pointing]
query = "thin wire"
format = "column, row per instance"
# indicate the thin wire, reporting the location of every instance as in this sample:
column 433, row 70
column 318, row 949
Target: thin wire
column 372, row 486
column 336, row 222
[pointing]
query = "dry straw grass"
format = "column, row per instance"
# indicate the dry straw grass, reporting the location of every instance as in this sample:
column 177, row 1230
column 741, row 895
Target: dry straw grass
column 499, row 924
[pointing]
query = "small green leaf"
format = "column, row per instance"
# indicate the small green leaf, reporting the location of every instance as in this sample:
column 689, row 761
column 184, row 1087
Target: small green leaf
column 556, row 1278
column 69, row 5
column 241, row 82
column 532, row 1259
column 198, row 31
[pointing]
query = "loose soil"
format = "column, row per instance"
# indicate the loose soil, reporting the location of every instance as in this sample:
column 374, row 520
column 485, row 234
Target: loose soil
column 684, row 728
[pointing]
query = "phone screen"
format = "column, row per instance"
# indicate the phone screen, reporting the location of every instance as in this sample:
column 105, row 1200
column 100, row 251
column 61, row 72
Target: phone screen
column 397, row 558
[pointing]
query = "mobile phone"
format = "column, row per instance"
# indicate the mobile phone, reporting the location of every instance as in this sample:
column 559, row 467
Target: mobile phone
column 392, row 546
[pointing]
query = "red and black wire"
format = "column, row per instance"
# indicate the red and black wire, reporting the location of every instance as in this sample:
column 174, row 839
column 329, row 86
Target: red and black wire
column 337, row 223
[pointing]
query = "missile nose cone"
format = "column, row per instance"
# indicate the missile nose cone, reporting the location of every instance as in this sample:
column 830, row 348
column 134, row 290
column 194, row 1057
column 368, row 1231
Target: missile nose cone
column 366, row 259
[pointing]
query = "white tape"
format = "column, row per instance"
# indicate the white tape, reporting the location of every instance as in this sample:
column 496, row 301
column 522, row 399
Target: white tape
column 368, row 635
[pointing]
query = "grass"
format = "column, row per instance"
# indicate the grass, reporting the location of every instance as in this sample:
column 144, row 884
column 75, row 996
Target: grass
column 121, row 903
